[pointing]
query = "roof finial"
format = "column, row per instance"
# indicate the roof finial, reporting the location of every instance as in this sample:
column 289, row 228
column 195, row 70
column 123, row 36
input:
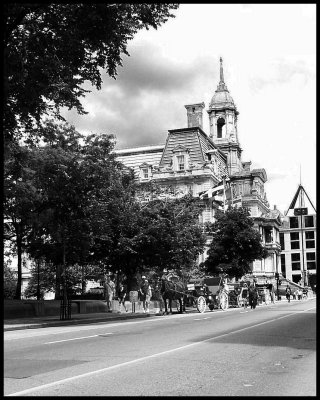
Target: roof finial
column 221, row 71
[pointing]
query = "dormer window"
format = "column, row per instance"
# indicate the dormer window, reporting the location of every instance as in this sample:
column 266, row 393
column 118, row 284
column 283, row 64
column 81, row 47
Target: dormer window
column 145, row 172
column 180, row 158
column 181, row 163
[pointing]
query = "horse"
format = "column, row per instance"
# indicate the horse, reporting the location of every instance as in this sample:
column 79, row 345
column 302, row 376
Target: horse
column 173, row 291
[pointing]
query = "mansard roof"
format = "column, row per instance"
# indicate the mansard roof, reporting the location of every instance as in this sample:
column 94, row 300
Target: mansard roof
column 135, row 157
column 193, row 140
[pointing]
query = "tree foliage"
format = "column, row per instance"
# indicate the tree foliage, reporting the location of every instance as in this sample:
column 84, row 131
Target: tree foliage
column 62, row 194
column 9, row 282
column 52, row 49
column 79, row 207
column 235, row 243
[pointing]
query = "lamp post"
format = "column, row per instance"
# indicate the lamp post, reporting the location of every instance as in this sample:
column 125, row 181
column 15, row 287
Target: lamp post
column 276, row 275
column 38, row 283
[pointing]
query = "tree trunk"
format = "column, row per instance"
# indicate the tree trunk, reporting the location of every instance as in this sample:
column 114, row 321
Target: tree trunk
column 19, row 254
column 57, row 294
column 83, row 281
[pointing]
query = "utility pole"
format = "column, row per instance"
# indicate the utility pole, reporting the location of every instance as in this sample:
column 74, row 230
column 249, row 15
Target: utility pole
column 302, row 244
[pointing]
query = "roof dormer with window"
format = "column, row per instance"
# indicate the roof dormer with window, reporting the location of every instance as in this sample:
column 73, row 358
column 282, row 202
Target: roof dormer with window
column 145, row 172
column 180, row 158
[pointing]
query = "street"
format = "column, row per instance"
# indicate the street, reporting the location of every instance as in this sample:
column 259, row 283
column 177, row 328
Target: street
column 269, row 351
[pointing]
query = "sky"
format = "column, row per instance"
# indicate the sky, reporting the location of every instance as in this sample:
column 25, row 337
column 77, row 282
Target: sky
column 269, row 60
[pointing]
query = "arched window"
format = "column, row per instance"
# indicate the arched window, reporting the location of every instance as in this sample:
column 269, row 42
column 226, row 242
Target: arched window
column 220, row 124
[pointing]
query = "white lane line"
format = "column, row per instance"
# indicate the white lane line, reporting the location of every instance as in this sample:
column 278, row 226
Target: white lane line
column 61, row 381
column 78, row 338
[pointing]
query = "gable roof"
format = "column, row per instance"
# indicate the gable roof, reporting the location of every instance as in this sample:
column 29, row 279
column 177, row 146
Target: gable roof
column 300, row 191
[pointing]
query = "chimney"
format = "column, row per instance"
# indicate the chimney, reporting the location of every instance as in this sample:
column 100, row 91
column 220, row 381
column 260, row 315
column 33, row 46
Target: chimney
column 194, row 114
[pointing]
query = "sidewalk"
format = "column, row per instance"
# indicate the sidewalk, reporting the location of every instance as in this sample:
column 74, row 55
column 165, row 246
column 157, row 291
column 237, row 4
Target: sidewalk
column 76, row 319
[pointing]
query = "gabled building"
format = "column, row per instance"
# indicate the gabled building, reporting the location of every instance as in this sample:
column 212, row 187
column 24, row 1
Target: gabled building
column 298, row 240
column 192, row 161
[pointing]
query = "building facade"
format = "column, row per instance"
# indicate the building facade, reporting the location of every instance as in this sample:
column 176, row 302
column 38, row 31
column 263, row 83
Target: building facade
column 211, row 168
column 298, row 240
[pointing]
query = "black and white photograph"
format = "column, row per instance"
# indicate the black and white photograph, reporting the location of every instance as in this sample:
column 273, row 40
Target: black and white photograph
column 159, row 199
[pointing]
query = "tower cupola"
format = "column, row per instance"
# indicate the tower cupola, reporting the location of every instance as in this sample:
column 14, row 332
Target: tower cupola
column 223, row 117
column 221, row 98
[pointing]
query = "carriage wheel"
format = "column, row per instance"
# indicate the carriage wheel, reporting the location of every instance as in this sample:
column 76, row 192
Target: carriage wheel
column 223, row 300
column 201, row 304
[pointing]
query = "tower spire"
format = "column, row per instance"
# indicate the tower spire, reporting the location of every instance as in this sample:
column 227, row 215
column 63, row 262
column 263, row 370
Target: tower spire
column 221, row 71
column 222, row 86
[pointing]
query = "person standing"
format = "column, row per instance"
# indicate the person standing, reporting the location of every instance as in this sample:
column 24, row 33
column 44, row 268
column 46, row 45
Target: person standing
column 109, row 292
column 145, row 294
column 271, row 290
column 245, row 295
column 148, row 296
column 288, row 293
column 253, row 296
column 122, row 293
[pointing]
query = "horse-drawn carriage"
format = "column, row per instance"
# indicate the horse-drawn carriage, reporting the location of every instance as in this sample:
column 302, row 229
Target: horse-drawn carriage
column 200, row 294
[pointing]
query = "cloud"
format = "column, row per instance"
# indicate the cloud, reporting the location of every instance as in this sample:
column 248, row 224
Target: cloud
column 282, row 72
column 146, row 99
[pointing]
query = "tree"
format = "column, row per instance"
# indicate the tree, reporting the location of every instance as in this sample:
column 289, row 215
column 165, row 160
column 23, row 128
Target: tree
column 51, row 49
column 42, row 280
column 81, row 183
column 20, row 200
column 52, row 195
column 174, row 235
column 9, row 281
column 235, row 243
column 162, row 233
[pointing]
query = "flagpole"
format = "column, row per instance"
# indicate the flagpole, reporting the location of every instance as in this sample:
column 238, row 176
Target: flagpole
column 224, row 195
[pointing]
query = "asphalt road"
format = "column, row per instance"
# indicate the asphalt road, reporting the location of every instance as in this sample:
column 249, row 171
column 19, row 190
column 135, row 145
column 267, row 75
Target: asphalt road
column 269, row 351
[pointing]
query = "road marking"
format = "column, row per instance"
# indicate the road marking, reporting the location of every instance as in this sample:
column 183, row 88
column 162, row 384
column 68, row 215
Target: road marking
column 78, row 338
column 61, row 381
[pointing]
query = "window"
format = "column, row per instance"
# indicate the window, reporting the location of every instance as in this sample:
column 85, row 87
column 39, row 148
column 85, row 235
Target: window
column 283, row 264
column 311, row 260
column 294, row 222
column 308, row 221
column 180, row 160
column 310, row 243
column 294, row 238
column 295, row 261
column 282, row 241
column 145, row 173
column 268, row 235
column 220, row 124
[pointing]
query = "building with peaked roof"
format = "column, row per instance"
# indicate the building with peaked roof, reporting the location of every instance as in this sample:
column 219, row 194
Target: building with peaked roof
column 192, row 161
column 298, row 240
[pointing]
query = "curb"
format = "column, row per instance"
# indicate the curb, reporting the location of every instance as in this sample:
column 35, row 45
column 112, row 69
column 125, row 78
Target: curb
column 75, row 322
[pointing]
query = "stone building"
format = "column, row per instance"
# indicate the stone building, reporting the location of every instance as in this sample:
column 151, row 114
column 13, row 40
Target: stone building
column 192, row 161
column 298, row 240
